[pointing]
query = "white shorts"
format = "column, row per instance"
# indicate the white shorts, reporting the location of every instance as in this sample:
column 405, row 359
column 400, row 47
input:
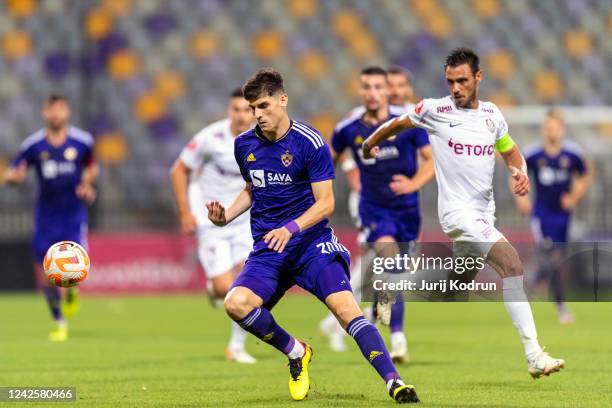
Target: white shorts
column 221, row 251
column 473, row 232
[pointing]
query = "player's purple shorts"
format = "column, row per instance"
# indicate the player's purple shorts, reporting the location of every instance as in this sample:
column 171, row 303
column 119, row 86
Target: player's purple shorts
column 550, row 226
column 269, row 274
column 61, row 229
column 402, row 223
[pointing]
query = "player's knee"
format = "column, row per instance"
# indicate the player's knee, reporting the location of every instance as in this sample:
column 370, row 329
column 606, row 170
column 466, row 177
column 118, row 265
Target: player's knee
column 345, row 313
column 236, row 304
column 514, row 267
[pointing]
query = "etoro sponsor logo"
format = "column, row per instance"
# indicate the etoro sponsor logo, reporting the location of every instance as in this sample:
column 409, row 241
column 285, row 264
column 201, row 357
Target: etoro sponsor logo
column 471, row 149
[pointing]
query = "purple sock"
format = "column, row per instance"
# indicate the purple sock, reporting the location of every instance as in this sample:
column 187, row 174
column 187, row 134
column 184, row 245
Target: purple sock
column 261, row 324
column 397, row 314
column 52, row 295
column 372, row 347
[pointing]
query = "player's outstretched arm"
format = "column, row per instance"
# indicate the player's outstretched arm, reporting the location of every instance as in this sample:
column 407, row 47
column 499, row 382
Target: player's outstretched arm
column 179, row 174
column 518, row 170
column 385, row 131
column 221, row 217
column 323, row 207
column 15, row 174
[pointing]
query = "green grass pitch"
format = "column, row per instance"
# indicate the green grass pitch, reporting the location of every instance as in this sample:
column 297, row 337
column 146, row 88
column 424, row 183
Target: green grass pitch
column 169, row 352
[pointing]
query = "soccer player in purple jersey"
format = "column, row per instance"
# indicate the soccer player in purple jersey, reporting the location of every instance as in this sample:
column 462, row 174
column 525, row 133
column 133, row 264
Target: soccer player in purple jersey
column 288, row 172
column 388, row 202
column 62, row 156
column 562, row 175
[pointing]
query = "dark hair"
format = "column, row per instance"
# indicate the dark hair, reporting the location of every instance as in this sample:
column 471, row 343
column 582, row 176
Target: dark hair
column 237, row 93
column 555, row 113
column 266, row 81
column 461, row 56
column 397, row 70
column 374, row 70
column 56, row 97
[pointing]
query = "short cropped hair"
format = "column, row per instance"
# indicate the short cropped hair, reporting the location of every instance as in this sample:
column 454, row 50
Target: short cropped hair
column 266, row 81
column 237, row 93
column 398, row 70
column 460, row 56
column 56, row 97
column 374, row 70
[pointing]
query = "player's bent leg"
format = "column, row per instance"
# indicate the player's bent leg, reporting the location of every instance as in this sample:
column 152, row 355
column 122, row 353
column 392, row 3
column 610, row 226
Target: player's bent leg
column 343, row 305
column 236, row 350
column 245, row 308
column 505, row 260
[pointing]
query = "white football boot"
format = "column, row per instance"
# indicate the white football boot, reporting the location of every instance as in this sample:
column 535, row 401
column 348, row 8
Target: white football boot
column 544, row 364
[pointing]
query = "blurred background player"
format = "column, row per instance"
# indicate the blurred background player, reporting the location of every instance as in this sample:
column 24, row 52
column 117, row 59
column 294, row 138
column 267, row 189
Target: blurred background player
column 389, row 203
column 562, row 176
column 465, row 134
column 62, row 157
column 206, row 170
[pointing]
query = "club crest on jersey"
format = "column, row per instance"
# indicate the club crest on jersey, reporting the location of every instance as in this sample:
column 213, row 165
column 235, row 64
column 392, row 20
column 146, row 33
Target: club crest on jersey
column 287, row 158
column 564, row 162
column 358, row 140
column 70, row 153
column 490, row 125
column 44, row 155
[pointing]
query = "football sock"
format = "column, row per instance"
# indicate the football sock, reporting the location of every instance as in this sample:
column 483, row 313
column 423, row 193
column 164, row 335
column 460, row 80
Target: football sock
column 519, row 310
column 52, row 294
column 397, row 315
column 238, row 337
column 261, row 324
column 372, row 347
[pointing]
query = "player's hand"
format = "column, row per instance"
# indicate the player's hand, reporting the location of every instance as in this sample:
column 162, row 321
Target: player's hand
column 402, row 184
column 568, row 202
column 86, row 192
column 216, row 213
column 16, row 175
column 520, row 181
column 188, row 223
column 277, row 239
column 369, row 152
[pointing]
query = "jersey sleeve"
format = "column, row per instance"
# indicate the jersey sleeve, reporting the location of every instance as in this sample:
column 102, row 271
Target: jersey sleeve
column 194, row 152
column 421, row 138
column 338, row 141
column 240, row 161
column 578, row 164
column 501, row 126
column 319, row 163
column 420, row 116
column 25, row 154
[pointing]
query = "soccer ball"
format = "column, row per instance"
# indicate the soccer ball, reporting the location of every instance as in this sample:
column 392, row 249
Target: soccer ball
column 66, row 264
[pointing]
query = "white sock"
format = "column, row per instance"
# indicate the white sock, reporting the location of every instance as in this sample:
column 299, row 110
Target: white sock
column 238, row 337
column 390, row 383
column 297, row 351
column 328, row 322
column 397, row 337
column 356, row 282
column 519, row 310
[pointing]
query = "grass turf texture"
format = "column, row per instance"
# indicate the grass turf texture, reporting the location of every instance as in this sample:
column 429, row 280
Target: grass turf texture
column 169, row 352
